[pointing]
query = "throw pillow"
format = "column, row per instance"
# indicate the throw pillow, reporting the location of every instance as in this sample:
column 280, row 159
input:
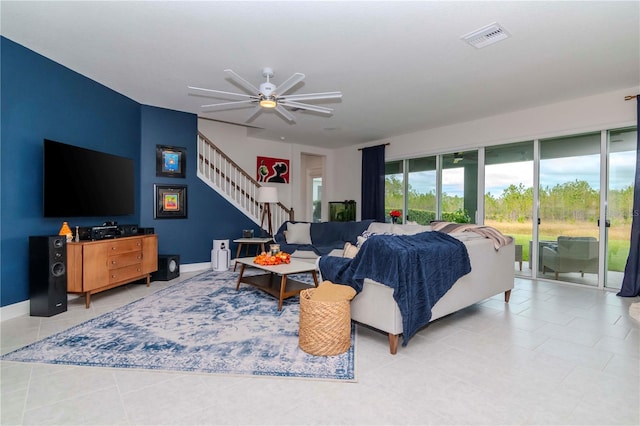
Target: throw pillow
column 298, row 233
column 350, row 250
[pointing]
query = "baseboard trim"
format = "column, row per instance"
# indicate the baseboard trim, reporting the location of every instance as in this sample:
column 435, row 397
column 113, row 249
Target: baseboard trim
column 195, row 267
column 13, row 311
column 23, row 308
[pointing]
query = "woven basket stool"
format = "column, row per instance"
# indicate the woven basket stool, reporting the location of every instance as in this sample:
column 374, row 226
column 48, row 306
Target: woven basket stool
column 325, row 326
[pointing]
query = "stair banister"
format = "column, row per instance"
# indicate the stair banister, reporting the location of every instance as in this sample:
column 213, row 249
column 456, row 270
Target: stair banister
column 223, row 175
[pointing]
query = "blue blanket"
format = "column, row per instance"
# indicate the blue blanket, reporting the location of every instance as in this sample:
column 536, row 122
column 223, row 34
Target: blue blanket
column 420, row 268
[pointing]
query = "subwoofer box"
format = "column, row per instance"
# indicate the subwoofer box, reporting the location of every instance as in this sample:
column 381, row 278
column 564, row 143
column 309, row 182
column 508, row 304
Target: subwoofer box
column 168, row 267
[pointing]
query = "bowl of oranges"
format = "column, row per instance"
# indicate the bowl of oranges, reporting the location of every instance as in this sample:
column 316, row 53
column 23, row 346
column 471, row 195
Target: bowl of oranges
column 268, row 259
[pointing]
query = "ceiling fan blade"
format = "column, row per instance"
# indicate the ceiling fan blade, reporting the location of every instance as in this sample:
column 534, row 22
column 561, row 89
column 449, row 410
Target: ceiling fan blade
column 243, row 83
column 313, row 96
column 285, row 114
column 256, row 111
column 289, row 83
column 211, row 93
column 227, row 105
column 292, row 104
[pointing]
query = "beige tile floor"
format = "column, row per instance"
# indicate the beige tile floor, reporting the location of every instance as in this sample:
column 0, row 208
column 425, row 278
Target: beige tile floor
column 555, row 355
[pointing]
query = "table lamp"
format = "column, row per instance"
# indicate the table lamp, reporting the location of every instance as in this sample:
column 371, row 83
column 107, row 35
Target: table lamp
column 267, row 195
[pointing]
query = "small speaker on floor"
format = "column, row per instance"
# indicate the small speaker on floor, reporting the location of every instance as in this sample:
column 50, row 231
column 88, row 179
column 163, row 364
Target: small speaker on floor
column 168, row 267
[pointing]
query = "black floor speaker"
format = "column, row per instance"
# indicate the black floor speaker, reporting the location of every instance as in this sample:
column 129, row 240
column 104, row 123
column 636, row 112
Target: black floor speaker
column 168, row 267
column 47, row 275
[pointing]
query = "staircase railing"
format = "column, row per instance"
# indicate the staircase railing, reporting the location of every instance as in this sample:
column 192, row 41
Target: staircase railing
column 222, row 174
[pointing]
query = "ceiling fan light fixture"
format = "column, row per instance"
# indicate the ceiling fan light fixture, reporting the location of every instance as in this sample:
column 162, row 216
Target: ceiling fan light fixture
column 268, row 96
column 269, row 102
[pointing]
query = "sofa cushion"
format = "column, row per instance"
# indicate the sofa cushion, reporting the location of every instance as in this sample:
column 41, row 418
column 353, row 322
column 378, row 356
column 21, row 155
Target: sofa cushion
column 298, row 233
column 350, row 250
column 409, row 229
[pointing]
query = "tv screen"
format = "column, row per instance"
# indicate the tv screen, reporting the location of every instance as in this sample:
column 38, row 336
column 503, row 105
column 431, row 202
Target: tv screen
column 82, row 182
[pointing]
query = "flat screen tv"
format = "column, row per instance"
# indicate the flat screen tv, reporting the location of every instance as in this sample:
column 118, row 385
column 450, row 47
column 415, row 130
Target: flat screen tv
column 82, row 182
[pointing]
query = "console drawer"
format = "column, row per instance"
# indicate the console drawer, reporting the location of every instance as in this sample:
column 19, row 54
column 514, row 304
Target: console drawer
column 124, row 246
column 126, row 273
column 125, row 259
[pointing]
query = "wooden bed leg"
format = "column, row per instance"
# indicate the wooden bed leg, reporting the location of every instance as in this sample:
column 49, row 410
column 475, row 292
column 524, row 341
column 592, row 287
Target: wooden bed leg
column 393, row 343
column 507, row 295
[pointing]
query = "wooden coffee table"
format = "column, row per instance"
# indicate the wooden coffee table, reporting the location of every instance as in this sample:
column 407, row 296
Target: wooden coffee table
column 282, row 288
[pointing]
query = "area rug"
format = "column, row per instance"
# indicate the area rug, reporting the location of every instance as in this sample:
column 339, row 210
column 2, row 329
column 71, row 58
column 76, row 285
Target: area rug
column 200, row 325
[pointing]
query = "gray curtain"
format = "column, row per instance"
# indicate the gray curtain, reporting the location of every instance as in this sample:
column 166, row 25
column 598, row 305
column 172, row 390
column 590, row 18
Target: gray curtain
column 372, row 191
column 631, row 280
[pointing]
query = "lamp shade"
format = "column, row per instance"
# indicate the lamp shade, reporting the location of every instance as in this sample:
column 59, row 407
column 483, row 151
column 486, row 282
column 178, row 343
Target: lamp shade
column 267, row 194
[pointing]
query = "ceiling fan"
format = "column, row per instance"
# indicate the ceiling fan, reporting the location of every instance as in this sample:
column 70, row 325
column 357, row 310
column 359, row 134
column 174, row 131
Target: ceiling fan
column 267, row 96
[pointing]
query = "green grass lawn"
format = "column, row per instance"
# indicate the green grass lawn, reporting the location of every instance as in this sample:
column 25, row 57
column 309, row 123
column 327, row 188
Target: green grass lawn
column 618, row 251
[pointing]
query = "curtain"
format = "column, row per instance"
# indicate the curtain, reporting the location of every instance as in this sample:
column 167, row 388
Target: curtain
column 631, row 280
column 372, row 192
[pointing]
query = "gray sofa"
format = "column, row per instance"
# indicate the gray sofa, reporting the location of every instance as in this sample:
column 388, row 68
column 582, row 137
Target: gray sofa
column 492, row 273
column 572, row 254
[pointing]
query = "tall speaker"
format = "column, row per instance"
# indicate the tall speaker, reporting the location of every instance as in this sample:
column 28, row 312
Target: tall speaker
column 47, row 275
column 168, row 267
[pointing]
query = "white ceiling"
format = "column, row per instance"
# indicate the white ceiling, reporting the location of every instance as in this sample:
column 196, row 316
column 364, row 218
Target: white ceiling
column 401, row 66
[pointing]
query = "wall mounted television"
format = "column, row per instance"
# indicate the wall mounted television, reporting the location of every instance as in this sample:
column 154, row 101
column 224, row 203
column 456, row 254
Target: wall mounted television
column 82, row 182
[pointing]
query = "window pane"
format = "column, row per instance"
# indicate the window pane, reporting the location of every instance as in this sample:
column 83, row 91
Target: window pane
column 393, row 188
column 317, row 199
column 422, row 189
column 460, row 186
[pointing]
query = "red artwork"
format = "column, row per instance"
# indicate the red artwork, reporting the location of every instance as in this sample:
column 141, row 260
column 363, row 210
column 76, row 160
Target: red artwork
column 275, row 170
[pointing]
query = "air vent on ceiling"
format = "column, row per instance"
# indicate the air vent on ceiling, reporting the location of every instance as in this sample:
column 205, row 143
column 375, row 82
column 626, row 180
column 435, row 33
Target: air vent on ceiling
column 485, row 36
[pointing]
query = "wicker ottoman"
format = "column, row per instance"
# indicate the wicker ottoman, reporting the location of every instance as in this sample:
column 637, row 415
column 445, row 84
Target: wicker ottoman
column 325, row 324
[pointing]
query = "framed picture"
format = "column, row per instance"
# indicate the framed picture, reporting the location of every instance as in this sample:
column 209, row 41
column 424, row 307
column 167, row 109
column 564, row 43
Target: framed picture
column 170, row 201
column 274, row 170
column 171, row 161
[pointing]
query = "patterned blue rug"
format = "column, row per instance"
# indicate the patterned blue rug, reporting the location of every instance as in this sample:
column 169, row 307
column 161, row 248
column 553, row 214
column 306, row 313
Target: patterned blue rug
column 199, row 325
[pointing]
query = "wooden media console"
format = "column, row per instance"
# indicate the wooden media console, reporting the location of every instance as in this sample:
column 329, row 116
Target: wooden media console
column 95, row 266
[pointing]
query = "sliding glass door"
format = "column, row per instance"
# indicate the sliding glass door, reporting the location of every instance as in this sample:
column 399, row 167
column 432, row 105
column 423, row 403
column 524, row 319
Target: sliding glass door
column 567, row 201
column 569, row 209
column 622, row 166
column 508, row 197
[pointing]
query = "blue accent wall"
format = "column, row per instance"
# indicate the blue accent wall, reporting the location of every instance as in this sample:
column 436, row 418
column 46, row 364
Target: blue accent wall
column 43, row 99
column 210, row 216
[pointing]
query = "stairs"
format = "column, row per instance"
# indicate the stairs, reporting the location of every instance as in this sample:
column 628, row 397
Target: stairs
column 218, row 171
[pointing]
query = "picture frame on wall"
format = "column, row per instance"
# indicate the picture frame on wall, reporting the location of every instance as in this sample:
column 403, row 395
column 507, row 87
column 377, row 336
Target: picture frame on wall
column 170, row 201
column 272, row 170
column 171, row 161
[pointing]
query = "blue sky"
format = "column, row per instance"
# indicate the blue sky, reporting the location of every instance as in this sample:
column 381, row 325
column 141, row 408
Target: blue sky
column 556, row 171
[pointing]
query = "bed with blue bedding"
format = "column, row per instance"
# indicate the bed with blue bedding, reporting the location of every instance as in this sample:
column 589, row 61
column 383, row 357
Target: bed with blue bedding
column 419, row 268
